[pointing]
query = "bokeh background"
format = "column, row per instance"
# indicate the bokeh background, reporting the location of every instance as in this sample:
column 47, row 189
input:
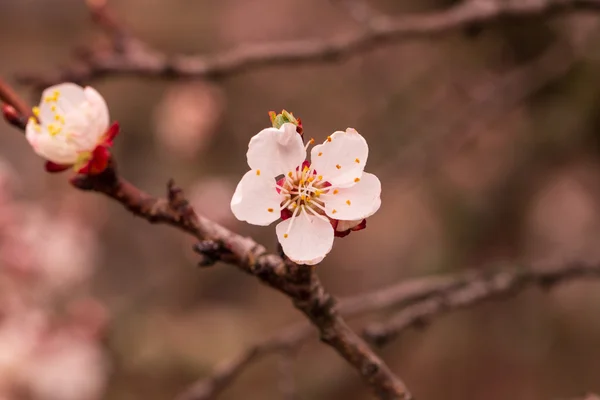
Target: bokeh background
column 486, row 141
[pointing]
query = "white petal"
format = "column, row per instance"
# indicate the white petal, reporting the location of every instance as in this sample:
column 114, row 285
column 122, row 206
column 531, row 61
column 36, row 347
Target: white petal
column 356, row 202
column 308, row 241
column 256, row 200
column 52, row 148
column 341, row 158
column 98, row 111
column 276, row 151
column 70, row 96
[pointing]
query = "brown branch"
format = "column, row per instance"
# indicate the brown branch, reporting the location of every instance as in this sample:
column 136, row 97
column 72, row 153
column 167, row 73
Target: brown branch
column 416, row 300
column 130, row 56
column 299, row 283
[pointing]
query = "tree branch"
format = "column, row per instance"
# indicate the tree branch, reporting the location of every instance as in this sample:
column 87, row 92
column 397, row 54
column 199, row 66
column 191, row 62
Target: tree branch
column 417, row 301
column 130, row 56
column 299, row 283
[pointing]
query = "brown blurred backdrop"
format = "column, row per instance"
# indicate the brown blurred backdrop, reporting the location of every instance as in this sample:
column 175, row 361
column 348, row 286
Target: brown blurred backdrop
column 486, row 141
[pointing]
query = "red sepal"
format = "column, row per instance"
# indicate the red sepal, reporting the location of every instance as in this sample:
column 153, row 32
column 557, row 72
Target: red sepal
column 97, row 163
column 286, row 214
column 111, row 134
column 334, row 223
column 54, row 168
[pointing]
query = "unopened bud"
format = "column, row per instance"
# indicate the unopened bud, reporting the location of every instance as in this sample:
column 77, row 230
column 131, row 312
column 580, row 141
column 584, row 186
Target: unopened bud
column 12, row 116
column 284, row 118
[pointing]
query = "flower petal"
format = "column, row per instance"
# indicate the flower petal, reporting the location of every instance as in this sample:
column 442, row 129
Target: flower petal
column 356, row 202
column 309, row 239
column 341, row 158
column 276, row 151
column 51, row 148
column 98, row 112
column 256, row 200
column 70, row 96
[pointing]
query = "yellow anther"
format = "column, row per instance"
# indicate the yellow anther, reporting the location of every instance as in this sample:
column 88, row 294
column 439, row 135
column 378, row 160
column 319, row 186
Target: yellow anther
column 357, row 161
column 333, row 211
column 318, row 193
column 53, row 130
column 33, row 120
column 258, row 172
column 302, row 181
column 311, row 141
column 303, row 197
column 295, row 205
column 320, row 177
column 269, row 209
column 36, row 111
column 356, row 179
column 285, row 235
column 329, row 138
column 348, row 202
column 311, row 178
column 53, row 108
column 290, row 174
column 305, row 169
column 335, row 191
column 320, row 154
column 308, row 199
column 338, row 166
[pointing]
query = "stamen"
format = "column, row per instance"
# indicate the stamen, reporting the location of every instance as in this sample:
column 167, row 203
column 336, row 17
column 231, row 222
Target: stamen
column 292, row 221
column 324, row 218
column 319, row 206
column 356, row 179
column 335, row 191
column 348, row 202
column 36, row 111
column 338, row 166
column 258, row 172
column 311, row 141
column 333, row 211
column 269, row 209
column 287, row 203
column 282, row 189
column 357, row 161
column 320, row 154
column 329, row 138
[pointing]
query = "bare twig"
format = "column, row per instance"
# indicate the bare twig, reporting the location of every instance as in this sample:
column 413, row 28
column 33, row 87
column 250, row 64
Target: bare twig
column 299, row 283
column 130, row 56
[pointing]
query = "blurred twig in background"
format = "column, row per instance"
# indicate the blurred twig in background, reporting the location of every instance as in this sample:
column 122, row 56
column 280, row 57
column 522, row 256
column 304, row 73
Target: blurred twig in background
column 131, row 56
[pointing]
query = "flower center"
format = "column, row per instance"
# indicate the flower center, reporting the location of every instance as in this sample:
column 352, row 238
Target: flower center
column 303, row 189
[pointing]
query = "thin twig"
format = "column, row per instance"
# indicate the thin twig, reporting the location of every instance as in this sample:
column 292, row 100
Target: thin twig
column 475, row 290
column 130, row 56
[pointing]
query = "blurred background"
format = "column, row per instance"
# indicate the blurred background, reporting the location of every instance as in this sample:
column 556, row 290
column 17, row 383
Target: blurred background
column 487, row 143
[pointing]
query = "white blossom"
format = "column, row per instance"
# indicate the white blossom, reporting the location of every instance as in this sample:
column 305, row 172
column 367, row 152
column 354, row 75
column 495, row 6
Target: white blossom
column 331, row 190
column 69, row 124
